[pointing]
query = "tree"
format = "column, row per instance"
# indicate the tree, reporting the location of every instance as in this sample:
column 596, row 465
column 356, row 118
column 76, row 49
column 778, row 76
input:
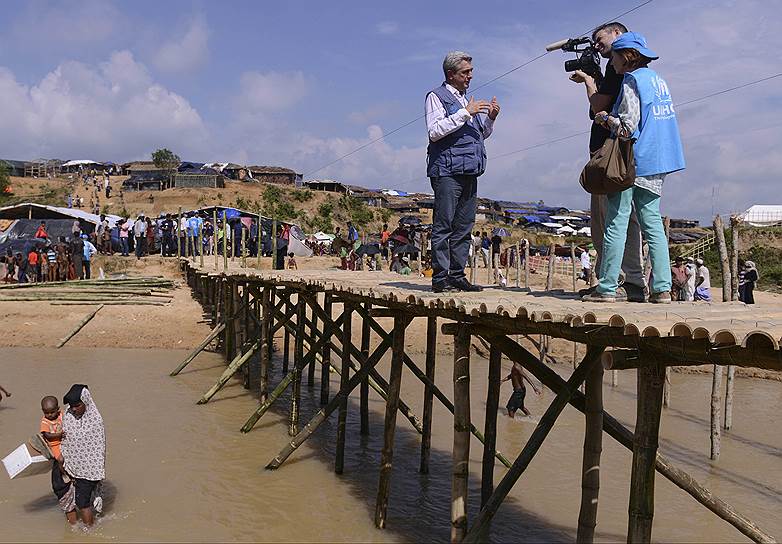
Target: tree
column 5, row 182
column 167, row 160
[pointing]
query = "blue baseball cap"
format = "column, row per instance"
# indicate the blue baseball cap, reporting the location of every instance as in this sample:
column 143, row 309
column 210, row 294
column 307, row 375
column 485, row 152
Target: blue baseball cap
column 634, row 40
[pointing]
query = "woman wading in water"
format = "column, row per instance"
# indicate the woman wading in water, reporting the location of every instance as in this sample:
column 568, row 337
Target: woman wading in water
column 84, row 450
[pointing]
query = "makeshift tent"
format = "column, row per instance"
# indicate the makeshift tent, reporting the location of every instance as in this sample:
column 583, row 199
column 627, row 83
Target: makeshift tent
column 29, row 210
column 20, row 236
column 298, row 248
column 585, row 231
column 762, row 215
column 567, row 229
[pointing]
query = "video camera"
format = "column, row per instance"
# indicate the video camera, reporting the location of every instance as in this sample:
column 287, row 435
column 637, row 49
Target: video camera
column 588, row 60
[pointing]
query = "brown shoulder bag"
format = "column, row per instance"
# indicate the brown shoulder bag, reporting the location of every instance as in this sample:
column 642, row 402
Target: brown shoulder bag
column 611, row 169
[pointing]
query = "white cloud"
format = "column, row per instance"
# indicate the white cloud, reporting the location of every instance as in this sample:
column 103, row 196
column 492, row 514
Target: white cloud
column 187, row 51
column 387, row 28
column 270, row 92
column 113, row 111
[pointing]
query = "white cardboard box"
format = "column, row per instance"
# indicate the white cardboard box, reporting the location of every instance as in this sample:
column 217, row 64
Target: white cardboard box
column 26, row 461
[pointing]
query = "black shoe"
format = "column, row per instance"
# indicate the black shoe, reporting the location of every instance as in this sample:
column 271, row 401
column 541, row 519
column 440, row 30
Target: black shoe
column 442, row 287
column 463, row 285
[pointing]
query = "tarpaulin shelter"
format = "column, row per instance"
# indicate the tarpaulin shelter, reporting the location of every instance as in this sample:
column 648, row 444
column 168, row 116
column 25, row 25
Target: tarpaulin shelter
column 30, row 210
column 762, row 215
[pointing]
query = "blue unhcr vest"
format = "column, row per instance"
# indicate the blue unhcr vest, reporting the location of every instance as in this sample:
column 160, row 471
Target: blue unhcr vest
column 461, row 152
column 658, row 146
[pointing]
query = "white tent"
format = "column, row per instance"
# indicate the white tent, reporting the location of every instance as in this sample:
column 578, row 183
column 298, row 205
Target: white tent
column 79, row 162
column 298, row 248
column 552, row 225
column 763, row 215
column 567, row 229
column 586, row 231
column 321, row 236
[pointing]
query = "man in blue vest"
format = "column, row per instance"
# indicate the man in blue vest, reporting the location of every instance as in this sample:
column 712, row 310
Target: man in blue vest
column 456, row 157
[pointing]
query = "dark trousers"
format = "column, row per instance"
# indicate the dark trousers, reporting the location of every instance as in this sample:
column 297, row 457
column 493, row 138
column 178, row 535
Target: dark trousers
column 78, row 267
column 168, row 245
column 455, row 201
column 140, row 243
column 86, row 266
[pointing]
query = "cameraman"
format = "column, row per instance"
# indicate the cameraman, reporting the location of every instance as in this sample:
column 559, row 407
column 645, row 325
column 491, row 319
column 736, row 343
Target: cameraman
column 602, row 96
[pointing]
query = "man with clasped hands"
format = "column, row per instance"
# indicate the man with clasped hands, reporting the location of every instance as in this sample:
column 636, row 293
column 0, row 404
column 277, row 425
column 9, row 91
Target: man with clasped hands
column 456, row 156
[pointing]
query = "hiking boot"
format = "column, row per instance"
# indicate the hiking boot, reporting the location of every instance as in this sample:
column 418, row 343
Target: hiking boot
column 663, row 297
column 586, row 291
column 599, row 297
column 463, row 285
column 635, row 293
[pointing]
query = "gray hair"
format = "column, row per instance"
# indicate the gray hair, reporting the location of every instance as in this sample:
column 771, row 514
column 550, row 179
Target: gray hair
column 452, row 61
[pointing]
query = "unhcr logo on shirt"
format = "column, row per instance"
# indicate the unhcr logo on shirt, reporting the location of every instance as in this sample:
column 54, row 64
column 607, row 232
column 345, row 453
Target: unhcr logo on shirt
column 662, row 108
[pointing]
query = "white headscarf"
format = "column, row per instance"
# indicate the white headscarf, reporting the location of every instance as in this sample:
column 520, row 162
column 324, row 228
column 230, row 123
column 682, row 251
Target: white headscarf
column 84, row 444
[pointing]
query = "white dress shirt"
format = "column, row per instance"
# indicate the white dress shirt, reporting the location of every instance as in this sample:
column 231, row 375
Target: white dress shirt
column 439, row 125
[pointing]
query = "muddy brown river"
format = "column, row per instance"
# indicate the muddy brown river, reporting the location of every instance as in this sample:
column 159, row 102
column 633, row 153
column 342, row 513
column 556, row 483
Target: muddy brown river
column 181, row 472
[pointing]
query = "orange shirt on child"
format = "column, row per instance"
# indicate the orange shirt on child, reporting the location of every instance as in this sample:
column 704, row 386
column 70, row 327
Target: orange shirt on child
column 49, row 426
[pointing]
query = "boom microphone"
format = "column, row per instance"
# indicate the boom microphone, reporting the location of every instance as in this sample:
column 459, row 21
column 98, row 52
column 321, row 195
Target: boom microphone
column 556, row 45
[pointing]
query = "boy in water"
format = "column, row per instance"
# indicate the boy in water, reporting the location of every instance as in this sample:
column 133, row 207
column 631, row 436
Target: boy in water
column 516, row 401
column 51, row 430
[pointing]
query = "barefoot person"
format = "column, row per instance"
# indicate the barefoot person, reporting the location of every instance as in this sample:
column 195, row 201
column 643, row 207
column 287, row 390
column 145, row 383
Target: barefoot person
column 456, row 157
column 84, row 449
column 516, row 401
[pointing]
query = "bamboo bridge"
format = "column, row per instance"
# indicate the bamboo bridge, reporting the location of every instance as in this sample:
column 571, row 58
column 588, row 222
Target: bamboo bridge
column 314, row 309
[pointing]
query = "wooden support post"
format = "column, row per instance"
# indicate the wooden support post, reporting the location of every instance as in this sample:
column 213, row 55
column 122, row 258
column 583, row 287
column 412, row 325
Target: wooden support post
column 473, row 264
column 298, row 355
column 552, row 262
column 518, row 265
column 389, row 427
column 273, row 295
column 225, row 243
column 214, row 238
column 490, row 266
column 490, row 426
column 593, row 448
column 286, row 345
column 431, row 358
column 325, row 366
column 311, row 367
column 573, row 262
column 614, row 378
column 244, row 246
column 190, row 247
column 211, row 336
column 229, row 318
column 347, row 325
column 647, row 429
column 734, row 257
column 460, row 472
column 179, row 234
column 235, row 365
column 201, row 246
column 719, row 231
column 667, row 388
column 364, row 390
column 266, row 318
column 716, row 415
column 274, row 244
column 729, row 397
column 526, row 265
column 547, row 420
column 78, row 327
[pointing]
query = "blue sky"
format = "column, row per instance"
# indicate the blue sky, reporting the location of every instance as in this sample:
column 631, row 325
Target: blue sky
column 300, row 84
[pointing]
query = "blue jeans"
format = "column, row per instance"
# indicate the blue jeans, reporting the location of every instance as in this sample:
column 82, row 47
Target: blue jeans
column 124, row 244
column 455, row 201
column 647, row 208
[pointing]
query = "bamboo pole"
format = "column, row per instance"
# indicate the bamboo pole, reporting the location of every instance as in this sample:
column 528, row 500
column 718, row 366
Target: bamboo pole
column 311, row 366
column 244, row 247
column 719, row 231
column 190, row 247
column 547, row 420
column 667, row 388
column 624, row 436
column 266, row 318
column 490, row 266
column 211, row 336
column 473, row 264
column 324, row 369
column 490, row 425
column 460, row 471
column 716, row 415
column 347, row 326
column 201, row 246
column 298, row 355
column 226, row 228
column 235, row 365
column 214, row 238
column 518, row 264
column 647, row 429
column 364, row 390
column 326, row 411
column 552, row 261
column 734, row 256
column 178, row 234
column 274, row 244
column 526, row 265
column 78, row 327
column 389, row 427
column 431, row 358
column 573, row 262
column 593, row 448
column 729, row 397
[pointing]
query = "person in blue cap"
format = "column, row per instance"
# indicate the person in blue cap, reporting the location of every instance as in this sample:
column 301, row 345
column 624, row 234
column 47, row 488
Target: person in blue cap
column 644, row 113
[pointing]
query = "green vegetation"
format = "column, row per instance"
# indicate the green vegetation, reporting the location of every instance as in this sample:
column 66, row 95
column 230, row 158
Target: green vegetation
column 302, row 196
column 166, row 160
column 5, row 182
